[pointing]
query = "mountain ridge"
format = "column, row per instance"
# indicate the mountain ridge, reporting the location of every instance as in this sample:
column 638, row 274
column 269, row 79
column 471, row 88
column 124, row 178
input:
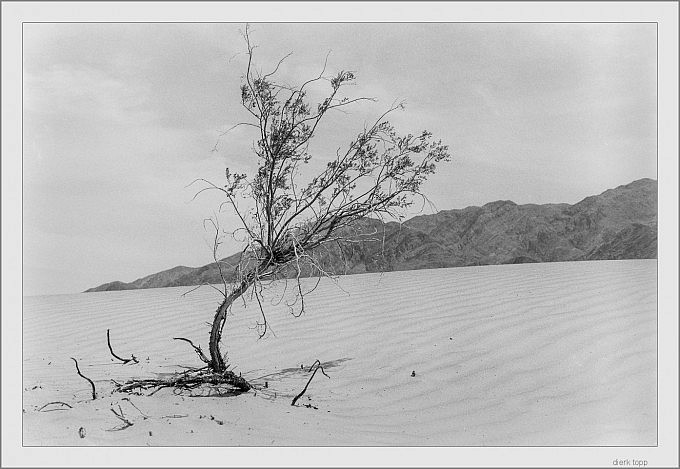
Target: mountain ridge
column 619, row 223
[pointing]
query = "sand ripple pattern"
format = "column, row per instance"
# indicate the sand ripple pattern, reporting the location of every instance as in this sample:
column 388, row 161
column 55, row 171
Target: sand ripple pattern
column 533, row 354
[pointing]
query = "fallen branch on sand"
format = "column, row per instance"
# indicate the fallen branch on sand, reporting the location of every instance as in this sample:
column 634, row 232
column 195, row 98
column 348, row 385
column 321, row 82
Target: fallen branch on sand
column 94, row 391
column 318, row 366
column 124, row 360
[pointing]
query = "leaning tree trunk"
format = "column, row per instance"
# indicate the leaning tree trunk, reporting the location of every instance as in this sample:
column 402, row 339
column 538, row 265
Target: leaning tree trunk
column 216, row 361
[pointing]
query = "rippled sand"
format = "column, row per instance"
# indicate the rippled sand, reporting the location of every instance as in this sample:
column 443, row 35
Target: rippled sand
column 535, row 354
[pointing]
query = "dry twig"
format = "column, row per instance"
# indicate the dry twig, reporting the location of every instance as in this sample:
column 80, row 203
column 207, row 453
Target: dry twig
column 121, row 416
column 197, row 349
column 133, row 405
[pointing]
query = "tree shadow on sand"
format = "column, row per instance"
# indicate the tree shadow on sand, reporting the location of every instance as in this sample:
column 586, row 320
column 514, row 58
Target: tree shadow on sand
column 299, row 371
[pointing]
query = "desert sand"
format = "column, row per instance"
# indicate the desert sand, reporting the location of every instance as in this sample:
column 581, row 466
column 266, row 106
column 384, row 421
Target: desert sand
column 535, row 354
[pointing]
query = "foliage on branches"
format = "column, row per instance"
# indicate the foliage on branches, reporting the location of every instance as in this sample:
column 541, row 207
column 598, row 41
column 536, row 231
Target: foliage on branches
column 377, row 174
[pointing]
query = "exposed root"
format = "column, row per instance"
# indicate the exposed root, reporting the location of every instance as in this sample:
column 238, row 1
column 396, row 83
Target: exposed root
column 133, row 359
column 94, row 390
column 226, row 383
column 318, row 366
column 43, row 408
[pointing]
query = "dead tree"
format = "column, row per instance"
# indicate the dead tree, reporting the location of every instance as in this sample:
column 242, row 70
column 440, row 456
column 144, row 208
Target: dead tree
column 287, row 219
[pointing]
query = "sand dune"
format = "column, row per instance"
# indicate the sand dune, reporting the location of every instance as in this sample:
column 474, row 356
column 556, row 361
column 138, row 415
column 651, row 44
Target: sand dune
column 533, row 354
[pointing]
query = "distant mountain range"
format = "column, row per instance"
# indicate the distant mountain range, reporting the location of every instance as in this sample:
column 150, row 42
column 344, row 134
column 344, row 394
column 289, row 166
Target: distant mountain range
column 620, row 223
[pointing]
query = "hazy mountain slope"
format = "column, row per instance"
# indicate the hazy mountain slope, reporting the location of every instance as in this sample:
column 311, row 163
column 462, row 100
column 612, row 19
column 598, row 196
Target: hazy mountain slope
column 160, row 279
column 620, row 223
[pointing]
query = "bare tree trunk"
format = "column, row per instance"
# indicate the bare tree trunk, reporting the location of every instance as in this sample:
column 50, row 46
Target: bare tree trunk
column 216, row 361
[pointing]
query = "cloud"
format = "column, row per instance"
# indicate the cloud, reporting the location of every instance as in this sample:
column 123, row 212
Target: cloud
column 83, row 94
column 119, row 118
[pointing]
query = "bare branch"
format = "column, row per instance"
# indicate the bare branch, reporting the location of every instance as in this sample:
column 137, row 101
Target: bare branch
column 216, row 244
column 277, row 66
column 264, row 323
column 222, row 134
column 290, row 227
column 197, row 349
column 203, row 285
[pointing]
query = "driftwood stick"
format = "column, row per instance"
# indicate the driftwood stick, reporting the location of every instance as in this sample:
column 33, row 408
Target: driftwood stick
column 318, row 366
column 124, row 360
column 55, row 402
column 94, row 391
column 197, row 349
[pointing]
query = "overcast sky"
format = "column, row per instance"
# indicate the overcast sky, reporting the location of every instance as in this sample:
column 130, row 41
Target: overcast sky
column 119, row 118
